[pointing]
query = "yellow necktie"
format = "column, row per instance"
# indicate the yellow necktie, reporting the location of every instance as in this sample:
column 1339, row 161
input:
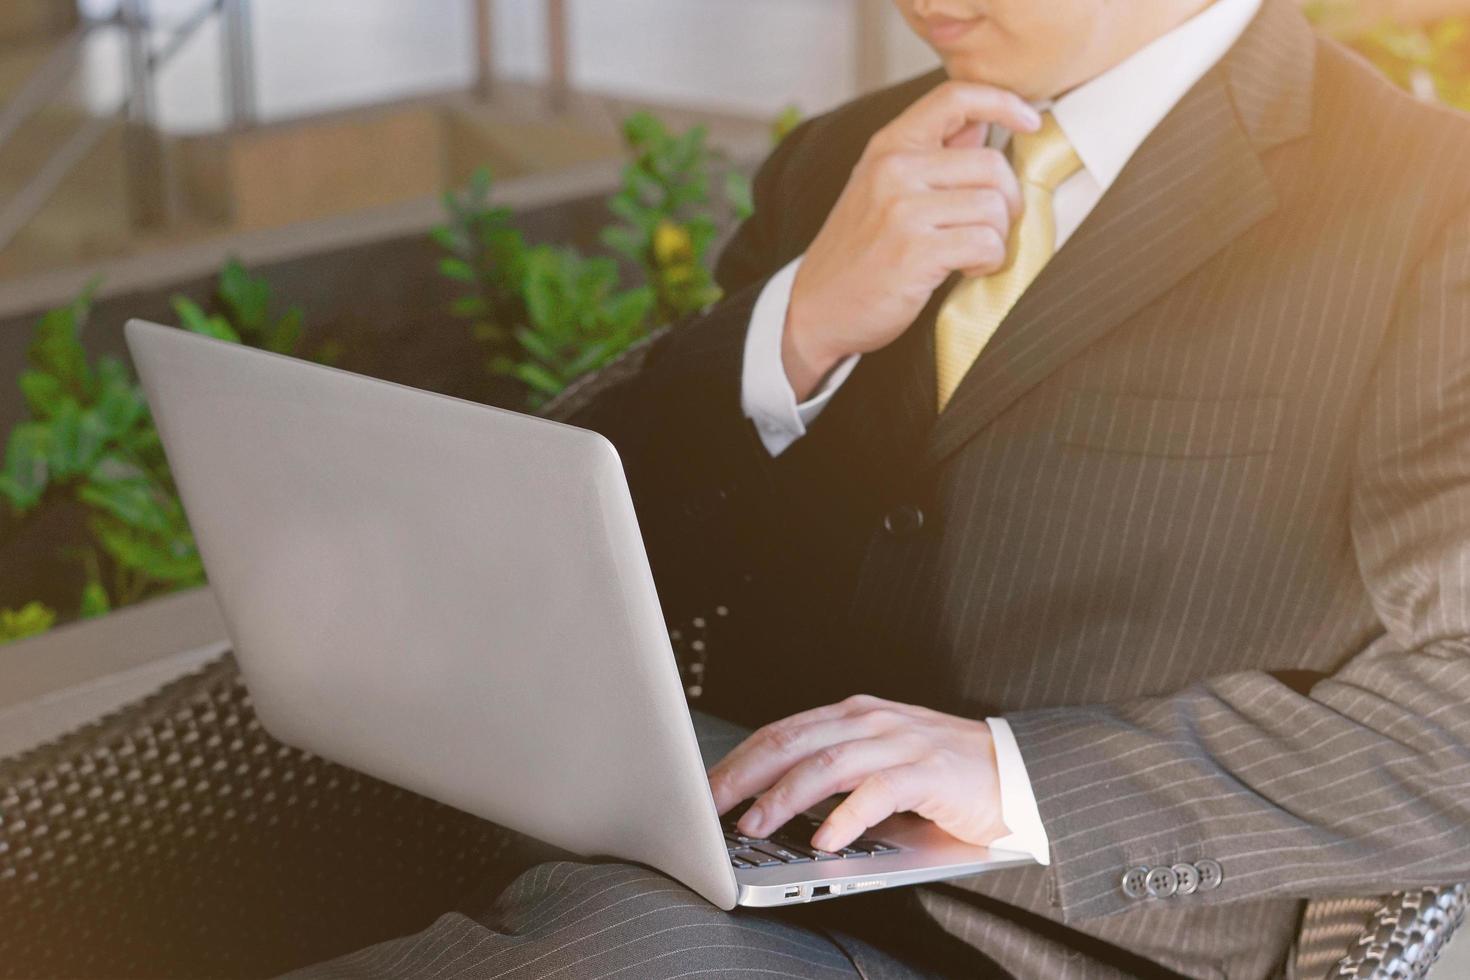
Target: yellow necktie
column 976, row 307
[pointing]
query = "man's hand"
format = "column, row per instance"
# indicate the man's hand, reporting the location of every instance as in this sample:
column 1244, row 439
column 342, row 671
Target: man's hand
column 926, row 199
column 892, row 758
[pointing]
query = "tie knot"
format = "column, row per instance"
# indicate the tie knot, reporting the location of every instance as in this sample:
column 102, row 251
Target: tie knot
column 1044, row 158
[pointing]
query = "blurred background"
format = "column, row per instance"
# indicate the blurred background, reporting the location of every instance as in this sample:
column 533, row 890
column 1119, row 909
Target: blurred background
column 488, row 198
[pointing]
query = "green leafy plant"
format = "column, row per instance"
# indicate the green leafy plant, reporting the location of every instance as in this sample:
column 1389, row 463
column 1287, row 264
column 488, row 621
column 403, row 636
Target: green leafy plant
column 245, row 315
column 90, row 438
column 486, row 254
column 29, row 620
column 663, row 205
column 549, row 315
column 579, row 318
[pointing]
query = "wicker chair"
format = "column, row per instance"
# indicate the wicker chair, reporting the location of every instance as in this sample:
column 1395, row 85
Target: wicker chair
column 175, row 838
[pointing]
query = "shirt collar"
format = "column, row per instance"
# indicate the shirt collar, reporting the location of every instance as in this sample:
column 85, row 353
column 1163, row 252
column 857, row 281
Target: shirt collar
column 1107, row 119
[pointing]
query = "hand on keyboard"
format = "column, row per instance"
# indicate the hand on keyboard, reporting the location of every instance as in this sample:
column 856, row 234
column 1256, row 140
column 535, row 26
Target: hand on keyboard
column 888, row 757
column 789, row 845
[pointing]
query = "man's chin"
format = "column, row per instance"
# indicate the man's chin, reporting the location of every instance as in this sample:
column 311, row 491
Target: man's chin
column 988, row 71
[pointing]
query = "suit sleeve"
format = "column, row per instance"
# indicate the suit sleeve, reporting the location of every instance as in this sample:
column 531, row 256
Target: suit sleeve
column 1361, row 785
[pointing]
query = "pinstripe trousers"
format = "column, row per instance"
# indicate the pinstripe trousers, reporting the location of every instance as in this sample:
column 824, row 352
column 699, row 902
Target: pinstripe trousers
column 576, row 920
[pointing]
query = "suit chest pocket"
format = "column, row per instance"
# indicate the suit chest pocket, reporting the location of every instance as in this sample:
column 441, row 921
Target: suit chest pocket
column 1170, row 427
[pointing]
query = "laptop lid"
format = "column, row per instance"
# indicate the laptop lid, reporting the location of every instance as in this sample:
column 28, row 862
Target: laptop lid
column 451, row 597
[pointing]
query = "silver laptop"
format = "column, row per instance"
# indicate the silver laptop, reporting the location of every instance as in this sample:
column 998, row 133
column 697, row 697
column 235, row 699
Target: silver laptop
column 455, row 599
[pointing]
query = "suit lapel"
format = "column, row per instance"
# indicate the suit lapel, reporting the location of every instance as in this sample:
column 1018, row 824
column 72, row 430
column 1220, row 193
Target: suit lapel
column 1195, row 185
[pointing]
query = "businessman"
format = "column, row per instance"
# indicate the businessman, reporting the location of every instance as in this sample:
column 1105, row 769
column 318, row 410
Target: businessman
column 1083, row 451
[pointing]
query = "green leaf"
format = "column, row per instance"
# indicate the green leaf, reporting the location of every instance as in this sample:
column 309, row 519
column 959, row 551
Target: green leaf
column 641, row 129
column 44, row 393
column 65, row 450
column 625, row 242
column 287, row 334
column 95, row 601
column 540, row 379
column 447, row 238
column 173, row 560
column 57, row 350
column 740, row 195
column 593, row 356
column 632, row 307
column 469, row 306
column 536, row 345
column 542, row 287
column 195, row 320
column 457, row 269
column 787, row 121
column 27, row 469
column 134, row 502
column 481, row 183
column 120, row 406
column 32, row 619
column 632, row 212
column 247, row 298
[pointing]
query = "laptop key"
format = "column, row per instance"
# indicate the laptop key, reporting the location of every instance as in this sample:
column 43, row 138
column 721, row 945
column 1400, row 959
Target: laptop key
column 851, row 852
column 875, row 846
column 811, row 852
column 756, row 858
column 786, row 854
column 740, row 862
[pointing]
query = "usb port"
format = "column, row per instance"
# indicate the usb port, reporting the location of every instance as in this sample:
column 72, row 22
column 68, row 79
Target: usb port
column 819, row 891
column 793, row 892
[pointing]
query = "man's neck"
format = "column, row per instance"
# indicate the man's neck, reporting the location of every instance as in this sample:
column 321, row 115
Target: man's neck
column 1154, row 19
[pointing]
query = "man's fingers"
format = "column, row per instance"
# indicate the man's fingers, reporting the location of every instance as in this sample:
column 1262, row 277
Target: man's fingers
column 833, row 769
column 877, row 798
column 945, row 112
column 976, row 250
column 756, row 763
column 973, row 135
column 959, row 208
column 977, row 168
column 768, row 754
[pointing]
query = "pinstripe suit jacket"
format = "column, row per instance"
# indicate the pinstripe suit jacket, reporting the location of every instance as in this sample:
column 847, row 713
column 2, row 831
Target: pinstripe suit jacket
column 1197, row 522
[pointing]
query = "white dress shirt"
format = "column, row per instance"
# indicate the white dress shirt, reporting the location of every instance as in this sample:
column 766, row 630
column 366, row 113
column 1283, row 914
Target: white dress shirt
column 1106, row 120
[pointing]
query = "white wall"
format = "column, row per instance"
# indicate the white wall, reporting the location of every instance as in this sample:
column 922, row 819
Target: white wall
column 748, row 55
column 754, row 56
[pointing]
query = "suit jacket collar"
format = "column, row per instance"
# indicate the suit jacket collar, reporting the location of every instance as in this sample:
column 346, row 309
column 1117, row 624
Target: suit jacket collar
column 1195, row 184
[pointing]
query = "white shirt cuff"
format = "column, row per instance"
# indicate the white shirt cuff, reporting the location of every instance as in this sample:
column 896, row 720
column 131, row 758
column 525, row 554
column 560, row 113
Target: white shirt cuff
column 766, row 396
column 1017, row 801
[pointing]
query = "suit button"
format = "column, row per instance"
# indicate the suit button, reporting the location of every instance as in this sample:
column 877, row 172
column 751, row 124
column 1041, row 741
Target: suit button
column 1210, row 874
column 1188, row 877
column 1161, row 882
column 1135, row 882
column 903, row 520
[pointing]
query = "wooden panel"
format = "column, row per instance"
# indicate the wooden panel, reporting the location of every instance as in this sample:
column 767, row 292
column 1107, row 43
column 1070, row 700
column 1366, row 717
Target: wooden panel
column 295, row 173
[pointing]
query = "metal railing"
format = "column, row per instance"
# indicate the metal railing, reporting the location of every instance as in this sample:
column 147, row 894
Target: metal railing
column 151, row 189
column 144, row 160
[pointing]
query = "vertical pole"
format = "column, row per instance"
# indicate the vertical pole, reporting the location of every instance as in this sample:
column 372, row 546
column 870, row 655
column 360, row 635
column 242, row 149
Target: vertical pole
column 484, row 49
column 238, row 62
column 559, row 59
column 143, row 155
column 870, row 55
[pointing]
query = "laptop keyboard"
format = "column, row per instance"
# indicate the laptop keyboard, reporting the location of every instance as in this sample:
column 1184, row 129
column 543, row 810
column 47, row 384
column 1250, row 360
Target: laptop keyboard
column 790, row 845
